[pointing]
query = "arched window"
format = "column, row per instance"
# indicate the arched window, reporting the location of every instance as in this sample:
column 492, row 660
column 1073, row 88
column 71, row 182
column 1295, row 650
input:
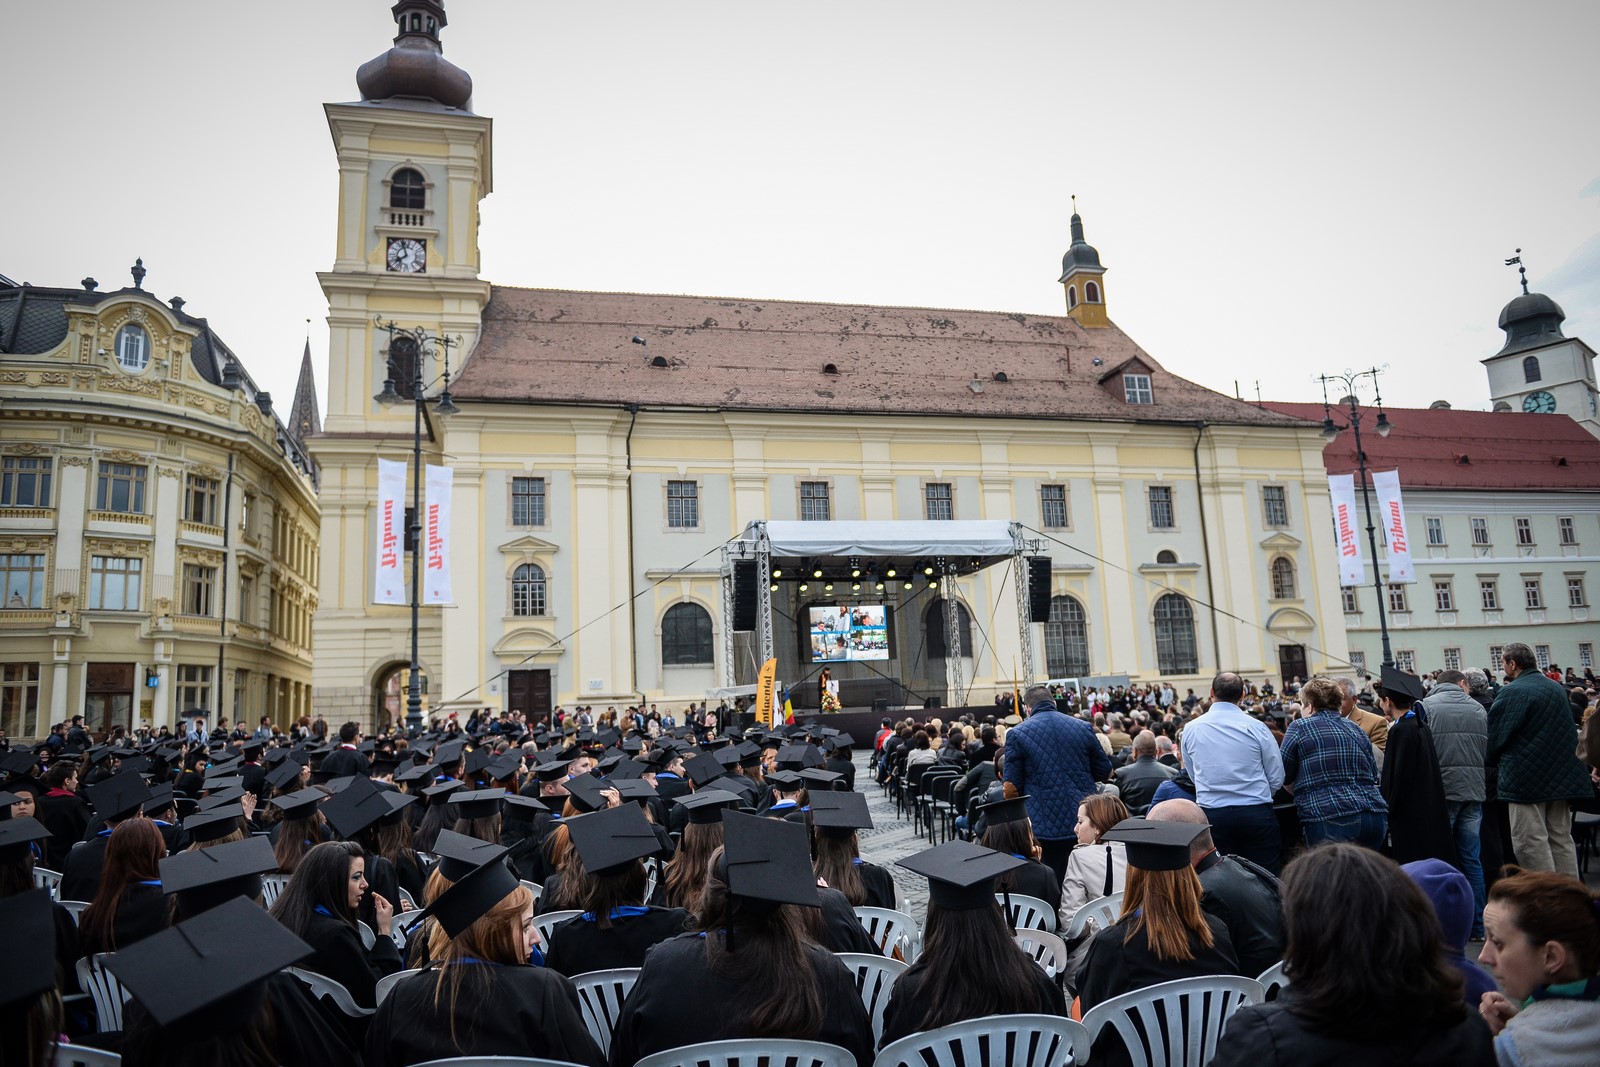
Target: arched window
column 1066, row 639
column 1175, row 646
column 686, row 636
column 403, row 356
column 1283, row 583
column 933, row 623
column 1530, row 369
column 528, row 591
column 407, row 190
column 133, row 348
column 1072, row 296
column 1167, row 556
column 1091, row 292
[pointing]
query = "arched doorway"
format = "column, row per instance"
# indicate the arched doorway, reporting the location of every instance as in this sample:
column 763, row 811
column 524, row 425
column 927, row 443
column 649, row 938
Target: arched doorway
column 389, row 696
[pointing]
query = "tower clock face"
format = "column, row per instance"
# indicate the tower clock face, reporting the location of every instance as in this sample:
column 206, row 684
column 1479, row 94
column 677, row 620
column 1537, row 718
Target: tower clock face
column 1542, row 402
column 407, row 255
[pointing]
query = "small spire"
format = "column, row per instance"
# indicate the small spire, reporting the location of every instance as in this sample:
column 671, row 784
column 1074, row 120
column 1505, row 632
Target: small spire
column 1522, row 270
column 138, row 273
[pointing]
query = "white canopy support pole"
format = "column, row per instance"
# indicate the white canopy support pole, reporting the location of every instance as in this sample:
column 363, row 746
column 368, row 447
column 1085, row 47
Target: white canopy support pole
column 727, row 615
column 763, row 594
column 952, row 639
column 1019, row 573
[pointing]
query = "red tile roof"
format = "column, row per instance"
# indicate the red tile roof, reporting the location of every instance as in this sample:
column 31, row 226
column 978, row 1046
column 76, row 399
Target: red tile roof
column 1441, row 448
column 547, row 346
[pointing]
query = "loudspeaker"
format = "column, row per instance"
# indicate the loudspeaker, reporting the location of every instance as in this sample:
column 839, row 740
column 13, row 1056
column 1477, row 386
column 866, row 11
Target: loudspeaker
column 880, row 704
column 933, row 703
column 744, row 595
column 1038, row 588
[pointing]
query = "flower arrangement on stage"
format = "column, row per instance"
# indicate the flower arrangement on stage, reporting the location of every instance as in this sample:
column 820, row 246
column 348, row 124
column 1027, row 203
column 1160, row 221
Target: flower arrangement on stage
column 830, row 701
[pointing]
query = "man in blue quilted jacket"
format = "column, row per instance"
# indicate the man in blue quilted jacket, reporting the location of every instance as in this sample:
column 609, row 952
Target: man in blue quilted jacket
column 1054, row 760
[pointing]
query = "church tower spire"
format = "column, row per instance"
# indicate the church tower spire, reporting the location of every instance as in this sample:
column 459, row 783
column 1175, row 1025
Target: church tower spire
column 415, row 67
column 1084, row 278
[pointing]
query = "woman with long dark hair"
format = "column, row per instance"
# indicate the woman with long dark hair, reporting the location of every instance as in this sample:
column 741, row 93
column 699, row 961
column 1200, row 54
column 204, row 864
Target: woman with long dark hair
column 746, row 957
column 63, row 812
column 702, row 836
column 445, row 1012
column 836, row 851
column 966, row 936
column 1369, row 980
column 319, row 905
column 437, row 815
column 354, row 813
column 299, row 829
column 1008, row 829
column 393, row 843
column 129, row 904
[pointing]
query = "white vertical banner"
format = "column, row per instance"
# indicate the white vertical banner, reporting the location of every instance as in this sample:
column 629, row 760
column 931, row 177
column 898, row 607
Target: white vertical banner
column 389, row 583
column 1387, row 483
column 1342, row 487
column 436, row 538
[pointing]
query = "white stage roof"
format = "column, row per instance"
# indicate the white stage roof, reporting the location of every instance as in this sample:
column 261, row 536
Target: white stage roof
column 890, row 539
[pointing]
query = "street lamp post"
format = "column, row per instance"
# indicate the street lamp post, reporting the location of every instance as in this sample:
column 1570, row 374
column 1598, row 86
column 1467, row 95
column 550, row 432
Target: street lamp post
column 1330, row 430
column 418, row 344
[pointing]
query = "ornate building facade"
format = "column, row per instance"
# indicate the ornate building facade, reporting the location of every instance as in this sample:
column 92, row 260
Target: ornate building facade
column 159, row 550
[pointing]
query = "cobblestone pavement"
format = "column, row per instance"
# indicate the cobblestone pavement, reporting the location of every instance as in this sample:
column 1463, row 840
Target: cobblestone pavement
column 891, row 838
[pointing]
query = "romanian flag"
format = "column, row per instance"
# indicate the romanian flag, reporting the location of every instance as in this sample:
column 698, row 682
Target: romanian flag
column 788, row 708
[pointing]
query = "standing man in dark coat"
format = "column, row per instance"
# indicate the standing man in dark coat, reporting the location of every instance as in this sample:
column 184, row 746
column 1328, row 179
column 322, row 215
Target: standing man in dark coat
column 346, row 759
column 1419, row 817
column 1054, row 760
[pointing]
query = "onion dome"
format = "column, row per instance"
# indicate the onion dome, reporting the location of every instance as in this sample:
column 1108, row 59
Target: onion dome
column 415, row 67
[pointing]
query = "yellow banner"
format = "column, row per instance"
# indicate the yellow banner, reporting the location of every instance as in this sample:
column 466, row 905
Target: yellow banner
column 766, row 684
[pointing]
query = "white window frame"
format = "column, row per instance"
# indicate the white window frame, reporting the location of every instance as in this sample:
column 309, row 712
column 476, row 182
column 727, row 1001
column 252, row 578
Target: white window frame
column 1568, row 528
column 539, row 501
column 1045, row 504
column 1358, row 661
column 1497, row 657
column 1398, row 601
column 1524, row 526
column 1577, row 596
column 690, row 499
column 1489, row 593
column 1349, row 598
column 1171, row 506
column 1452, row 658
column 1480, row 531
column 1533, row 594
column 104, row 574
column 1137, row 389
column 930, row 497
column 1435, row 528
column 1406, row 660
column 1267, row 506
column 1444, row 596
column 1586, row 653
column 802, row 500
column 1541, row 656
column 133, row 348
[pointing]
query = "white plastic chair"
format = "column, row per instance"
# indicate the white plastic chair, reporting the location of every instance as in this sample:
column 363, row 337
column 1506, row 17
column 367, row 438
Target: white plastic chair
column 81, row 1056
column 600, row 995
column 1273, row 980
column 650, row 878
column 875, row 977
column 74, row 909
column 323, row 986
column 549, row 920
column 993, row 1041
column 1047, row 949
column 400, row 928
column 104, row 989
column 891, row 930
column 1174, row 1022
column 388, row 982
column 535, row 888
column 1102, row 911
column 498, row 1061
column 272, row 887
column 406, row 903
column 1028, row 913
column 750, row 1052
column 44, row 878
column 368, row 938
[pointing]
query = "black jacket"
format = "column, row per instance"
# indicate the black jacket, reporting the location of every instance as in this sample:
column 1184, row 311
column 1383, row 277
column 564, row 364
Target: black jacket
column 1248, row 901
column 80, row 878
column 1269, row 1035
column 345, row 761
column 313, row 1039
column 1138, row 781
column 340, row 955
column 1034, row 879
column 578, row 945
column 141, row 911
column 903, row 1014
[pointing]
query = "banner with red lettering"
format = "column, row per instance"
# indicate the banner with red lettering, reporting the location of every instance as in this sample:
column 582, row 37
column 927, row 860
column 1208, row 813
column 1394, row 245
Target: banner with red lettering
column 389, row 582
column 436, row 538
column 1387, row 483
column 1342, row 487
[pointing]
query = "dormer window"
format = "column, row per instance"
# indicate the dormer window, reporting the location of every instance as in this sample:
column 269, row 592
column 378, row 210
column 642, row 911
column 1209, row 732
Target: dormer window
column 133, row 348
column 1530, row 369
column 1136, row 389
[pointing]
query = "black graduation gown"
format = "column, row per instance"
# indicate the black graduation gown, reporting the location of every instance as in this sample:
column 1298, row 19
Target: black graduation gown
column 255, row 779
column 654, row 1016
column 577, row 945
column 1112, row 968
column 841, row 928
column 903, row 1014
column 670, row 787
column 342, row 762
column 412, row 878
column 309, row 1038
column 339, row 954
column 142, row 910
column 534, row 1012
column 1419, row 821
column 80, row 878
column 879, row 884
column 840, row 765
column 1035, row 880
column 66, row 817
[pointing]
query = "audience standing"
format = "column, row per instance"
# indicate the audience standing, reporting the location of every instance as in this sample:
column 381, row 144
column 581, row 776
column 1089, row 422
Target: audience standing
column 1461, row 734
column 1236, row 767
column 1054, row 760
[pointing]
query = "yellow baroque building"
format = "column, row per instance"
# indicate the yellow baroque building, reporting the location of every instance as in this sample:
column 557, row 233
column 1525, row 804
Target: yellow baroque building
column 158, row 523
column 608, row 444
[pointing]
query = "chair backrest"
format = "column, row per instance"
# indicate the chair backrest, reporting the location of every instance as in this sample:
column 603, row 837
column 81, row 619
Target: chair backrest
column 272, row 887
column 652, row 875
column 993, row 1041
column 550, row 919
column 748, row 1053
column 535, row 888
column 498, row 1061
column 600, row 996
column 1047, row 949
column 405, row 903
column 1174, row 1022
column 80, row 1056
column 368, row 938
column 74, row 908
column 104, row 989
column 1102, row 911
column 1028, row 913
column 400, row 929
column 891, row 929
column 1273, row 980
column 389, row 981
column 44, row 878
column 875, row 977
column 323, row 986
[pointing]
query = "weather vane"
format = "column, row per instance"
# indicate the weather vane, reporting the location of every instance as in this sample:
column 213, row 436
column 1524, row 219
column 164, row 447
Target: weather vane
column 1516, row 261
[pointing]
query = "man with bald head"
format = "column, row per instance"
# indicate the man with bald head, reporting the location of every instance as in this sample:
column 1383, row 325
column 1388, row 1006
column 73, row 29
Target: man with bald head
column 1236, row 766
column 1244, row 896
column 1138, row 780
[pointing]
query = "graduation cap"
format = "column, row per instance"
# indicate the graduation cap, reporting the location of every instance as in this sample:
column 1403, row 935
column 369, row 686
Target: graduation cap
column 1396, row 682
column 960, row 874
column 634, row 789
column 786, row 781
column 252, row 747
column 703, row 769
column 820, row 779
column 768, row 860
column 1155, row 846
column 161, row 799
column 477, row 760
column 585, row 791
column 749, row 753
column 840, row 811
column 214, row 824
column 552, row 771
column 632, row 746
column 367, row 748
column 97, row 754
column 503, row 766
column 208, row 876
column 18, row 762
column 275, row 757
column 605, row 765
column 418, row 772
column 119, row 796
column 471, row 898
column 628, row 770
column 300, row 804
column 30, row 967
column 226, row 953
column 449, row 753
column 1012, row 809
column 477, row 803
column 611, row 839
column 354, row 808
column 284, row 773
column 799, row 757
column 136, row 764
column 728, row 757
column 460, row 855
column 17, row 835
column 212, row 801
column 608, row 737
column 224, row 781
column 222, row 769
column 439, row 794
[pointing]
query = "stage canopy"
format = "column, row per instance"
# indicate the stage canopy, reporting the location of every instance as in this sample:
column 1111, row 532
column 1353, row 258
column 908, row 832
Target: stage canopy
column 963, row 544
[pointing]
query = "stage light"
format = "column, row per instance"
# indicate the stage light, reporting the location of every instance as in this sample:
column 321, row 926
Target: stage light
column 910, row 586
column 774, row 587
column 777, row 572
column 890, row 572
column 855, row 572
column 880, row 587
column 856, row 587
column 828, row 588
column 803, row 587
column 817, row 573
column 928, row 571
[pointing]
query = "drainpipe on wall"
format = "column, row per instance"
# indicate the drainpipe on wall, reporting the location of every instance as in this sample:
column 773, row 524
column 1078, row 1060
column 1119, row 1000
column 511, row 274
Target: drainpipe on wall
column 222, row 600
column 633, row 609
column 1205, row 546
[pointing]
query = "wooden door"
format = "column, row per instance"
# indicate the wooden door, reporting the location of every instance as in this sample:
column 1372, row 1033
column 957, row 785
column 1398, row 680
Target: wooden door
column 1291, row 663
column 529, row 693
column 108, row 697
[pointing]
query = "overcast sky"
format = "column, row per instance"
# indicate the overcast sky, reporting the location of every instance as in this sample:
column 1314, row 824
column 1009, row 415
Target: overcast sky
column 1276, row 190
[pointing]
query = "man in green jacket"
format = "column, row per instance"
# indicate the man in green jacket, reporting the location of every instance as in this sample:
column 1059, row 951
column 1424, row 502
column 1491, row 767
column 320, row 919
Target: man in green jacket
column 1531, row 736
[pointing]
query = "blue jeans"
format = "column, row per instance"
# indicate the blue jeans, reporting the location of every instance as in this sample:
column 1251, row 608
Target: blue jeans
column 1248, row 830
column 1466, row 822
column 1366, row 829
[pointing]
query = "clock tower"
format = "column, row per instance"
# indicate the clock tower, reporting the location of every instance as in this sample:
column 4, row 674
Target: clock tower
column 414, row 163
column 1539, row 369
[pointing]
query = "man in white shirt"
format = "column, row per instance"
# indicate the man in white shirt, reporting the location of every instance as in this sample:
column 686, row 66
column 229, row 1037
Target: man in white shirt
column 1236, row 766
